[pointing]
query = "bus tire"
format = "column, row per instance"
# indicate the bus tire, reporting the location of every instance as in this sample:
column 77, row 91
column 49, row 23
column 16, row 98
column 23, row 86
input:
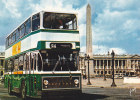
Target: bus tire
column 9, row 88
column 23, row 91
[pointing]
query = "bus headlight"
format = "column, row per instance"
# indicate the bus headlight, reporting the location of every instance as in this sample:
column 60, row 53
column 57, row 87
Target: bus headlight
column 46, row 82
column 76, row 81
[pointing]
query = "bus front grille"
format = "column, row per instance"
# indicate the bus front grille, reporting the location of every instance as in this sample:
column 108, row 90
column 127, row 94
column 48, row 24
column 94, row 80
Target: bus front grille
column 60, row 82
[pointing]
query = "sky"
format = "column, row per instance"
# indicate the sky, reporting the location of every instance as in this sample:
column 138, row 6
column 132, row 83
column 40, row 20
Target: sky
column 115, row 23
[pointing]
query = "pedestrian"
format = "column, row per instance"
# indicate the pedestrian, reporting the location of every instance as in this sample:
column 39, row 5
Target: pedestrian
column 84, row 75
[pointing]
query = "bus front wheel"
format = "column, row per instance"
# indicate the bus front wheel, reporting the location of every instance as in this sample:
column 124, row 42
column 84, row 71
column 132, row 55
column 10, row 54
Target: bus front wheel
column 23, row 91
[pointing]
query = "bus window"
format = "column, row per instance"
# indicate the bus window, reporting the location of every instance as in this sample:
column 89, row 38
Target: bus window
column 28, row 26
column 10, row 40
column 17, row 35
column 13, row 37
column 35, row 22
column 74, row 24
column 7, row 41
column 59, row 21
column 22, row 30
column 10, row 65
column 47, row 20
column 21, row 63
column 24, row 62
column 59, row 61
column 33, row 62
column 16, row 64
column 39, row 64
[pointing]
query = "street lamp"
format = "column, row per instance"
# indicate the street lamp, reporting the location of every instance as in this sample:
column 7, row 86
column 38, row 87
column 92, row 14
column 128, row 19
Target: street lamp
column 87, row 57
column 113, row 82
column 93, row 66
column 85, row 68
column 104, row 73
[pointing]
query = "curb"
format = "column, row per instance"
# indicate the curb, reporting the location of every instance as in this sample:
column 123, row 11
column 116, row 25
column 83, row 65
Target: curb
column 108, row 87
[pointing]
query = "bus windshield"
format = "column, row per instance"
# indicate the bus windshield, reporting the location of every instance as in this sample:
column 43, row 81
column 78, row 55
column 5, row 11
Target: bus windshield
column 59, row 21
column 57, row 61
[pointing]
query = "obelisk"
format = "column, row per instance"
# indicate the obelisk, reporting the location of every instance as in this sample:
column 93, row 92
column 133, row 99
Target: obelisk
column 88, row 32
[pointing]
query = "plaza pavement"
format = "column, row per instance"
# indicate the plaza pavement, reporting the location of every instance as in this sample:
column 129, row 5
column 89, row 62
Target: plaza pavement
column 99, row 82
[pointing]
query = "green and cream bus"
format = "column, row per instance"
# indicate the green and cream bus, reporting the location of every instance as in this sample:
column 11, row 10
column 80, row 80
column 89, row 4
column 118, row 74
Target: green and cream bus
column 42, row 56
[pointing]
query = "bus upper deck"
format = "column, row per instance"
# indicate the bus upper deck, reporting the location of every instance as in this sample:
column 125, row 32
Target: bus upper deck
column 43, row 28
column 43, row 20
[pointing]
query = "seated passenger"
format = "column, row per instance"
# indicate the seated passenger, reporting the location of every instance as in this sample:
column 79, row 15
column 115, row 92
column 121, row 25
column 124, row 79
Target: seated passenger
column 59, row 24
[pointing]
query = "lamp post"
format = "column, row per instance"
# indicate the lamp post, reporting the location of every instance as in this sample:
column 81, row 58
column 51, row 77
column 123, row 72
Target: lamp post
column 85, row 68
column 113, row 82
column 87, row 57
column 104, row 73
column 93, row 66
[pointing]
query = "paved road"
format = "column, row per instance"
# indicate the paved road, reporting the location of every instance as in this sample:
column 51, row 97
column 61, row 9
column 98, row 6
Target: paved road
column 111, row 93
column 99, row 82
column 5, row 96
column 89, row 93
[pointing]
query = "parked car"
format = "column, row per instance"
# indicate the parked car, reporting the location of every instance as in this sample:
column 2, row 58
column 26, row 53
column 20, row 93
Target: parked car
column 119, row 75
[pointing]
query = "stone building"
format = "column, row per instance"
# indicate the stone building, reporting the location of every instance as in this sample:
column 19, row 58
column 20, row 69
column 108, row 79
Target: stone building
column 127, row 64
column 2, row 62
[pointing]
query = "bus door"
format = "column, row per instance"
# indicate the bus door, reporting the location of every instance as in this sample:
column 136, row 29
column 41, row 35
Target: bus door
column 31, row 59
column 32, row 69
column 27, row 73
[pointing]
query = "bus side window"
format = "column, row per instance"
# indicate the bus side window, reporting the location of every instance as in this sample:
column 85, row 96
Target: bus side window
column 10, row 66
column 10, row 40
column 33, row 62
column 24, row 62
column 16, row 64
column 6, row 65
column 21, row 62
column 35, row 22
column 22, row 30
column 7, row 41
column 28, row 26
column 13, row 37
column 17, row 35
column 39, row 64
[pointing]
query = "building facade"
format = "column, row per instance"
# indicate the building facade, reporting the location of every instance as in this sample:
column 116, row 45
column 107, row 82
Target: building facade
column 129, row 65
column 2, row 63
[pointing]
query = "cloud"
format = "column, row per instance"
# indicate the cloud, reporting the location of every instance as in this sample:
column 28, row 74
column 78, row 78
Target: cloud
column 12, row 7
column 83, row 49
column 82, row 30
column 124, row 5
column 118, row 18
column 100, row 49
column 118, row 51
column 51, row 5
column 2, row 48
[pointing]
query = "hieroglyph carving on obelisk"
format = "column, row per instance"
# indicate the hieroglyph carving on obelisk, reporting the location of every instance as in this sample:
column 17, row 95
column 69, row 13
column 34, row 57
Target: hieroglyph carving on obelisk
column 88, row 31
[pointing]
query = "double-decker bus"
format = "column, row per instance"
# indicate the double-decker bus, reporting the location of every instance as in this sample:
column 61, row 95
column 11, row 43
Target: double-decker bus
column 42, row 56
